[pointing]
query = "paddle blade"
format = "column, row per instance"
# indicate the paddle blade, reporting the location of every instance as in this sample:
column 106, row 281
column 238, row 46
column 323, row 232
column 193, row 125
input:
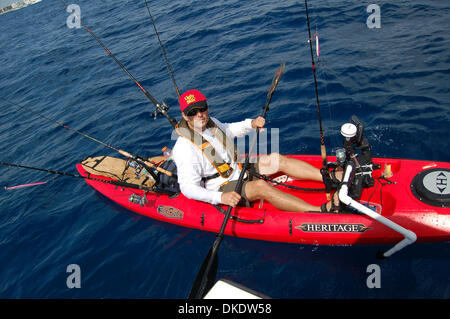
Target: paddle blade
column 276, row 78
column 206, row 275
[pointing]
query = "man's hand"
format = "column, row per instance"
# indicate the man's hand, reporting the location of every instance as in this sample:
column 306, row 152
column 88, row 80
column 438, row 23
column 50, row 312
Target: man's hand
column 231, row 198
column 258, row 122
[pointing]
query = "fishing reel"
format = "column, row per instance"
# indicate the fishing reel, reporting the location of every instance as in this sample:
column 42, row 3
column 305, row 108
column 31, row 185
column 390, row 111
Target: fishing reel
column 141, row 169
column 138, row 169
column 138, row 199
column 357, row 151
column 161, row 109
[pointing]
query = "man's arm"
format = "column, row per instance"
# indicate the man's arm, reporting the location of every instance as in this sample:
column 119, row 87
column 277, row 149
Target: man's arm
column 239, row 129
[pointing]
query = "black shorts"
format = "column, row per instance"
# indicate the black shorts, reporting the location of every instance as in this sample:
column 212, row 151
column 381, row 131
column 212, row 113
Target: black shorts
column 231, row 186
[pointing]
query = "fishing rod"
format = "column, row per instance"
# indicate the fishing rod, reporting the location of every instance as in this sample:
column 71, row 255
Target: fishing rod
column 163, row 50
column 324, row 171
column 161, row 108
column 113, row 182
column 322, row 141
column 142, row 161
column 208, row 270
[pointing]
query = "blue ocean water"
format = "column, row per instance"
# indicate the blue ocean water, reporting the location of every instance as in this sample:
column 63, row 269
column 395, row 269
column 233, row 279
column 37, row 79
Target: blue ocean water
column 394, row 78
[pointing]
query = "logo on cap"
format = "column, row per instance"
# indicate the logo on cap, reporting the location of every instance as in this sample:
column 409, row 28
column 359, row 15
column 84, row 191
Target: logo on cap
column 190, row 99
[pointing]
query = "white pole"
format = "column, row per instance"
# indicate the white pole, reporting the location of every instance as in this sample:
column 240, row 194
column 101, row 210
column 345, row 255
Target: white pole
column 410, row 236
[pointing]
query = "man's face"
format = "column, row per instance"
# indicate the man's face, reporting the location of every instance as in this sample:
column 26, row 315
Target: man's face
column 197, row 118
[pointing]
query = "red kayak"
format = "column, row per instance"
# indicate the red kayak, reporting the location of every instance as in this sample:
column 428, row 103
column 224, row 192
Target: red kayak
column 414, row 197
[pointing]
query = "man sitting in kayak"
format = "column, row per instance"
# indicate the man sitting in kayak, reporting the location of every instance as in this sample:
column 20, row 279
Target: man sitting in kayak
column 207, row 166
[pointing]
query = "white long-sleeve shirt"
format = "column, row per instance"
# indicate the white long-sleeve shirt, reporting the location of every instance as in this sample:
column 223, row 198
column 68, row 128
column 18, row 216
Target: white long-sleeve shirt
column 192, row 165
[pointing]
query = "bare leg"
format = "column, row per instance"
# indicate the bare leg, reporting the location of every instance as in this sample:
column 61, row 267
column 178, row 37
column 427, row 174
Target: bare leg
column 259, row 189
column 274, row 163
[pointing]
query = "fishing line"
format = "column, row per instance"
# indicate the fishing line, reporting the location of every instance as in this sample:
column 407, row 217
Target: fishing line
column 113, row 182
column 142, row 161
column 335, row 137
column 161, row 108
column 162, row 49
column 322, row 73
column 115, row 59
column 325, row 165
column 322, row 141
column 60, row 124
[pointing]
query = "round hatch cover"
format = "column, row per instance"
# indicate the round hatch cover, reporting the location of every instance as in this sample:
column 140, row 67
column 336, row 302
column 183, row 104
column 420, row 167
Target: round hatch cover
column 432, row 187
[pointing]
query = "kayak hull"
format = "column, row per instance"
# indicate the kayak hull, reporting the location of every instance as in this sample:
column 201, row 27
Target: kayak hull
column 396, row 201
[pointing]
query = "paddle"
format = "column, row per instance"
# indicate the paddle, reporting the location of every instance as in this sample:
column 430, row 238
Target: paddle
column 207, row 273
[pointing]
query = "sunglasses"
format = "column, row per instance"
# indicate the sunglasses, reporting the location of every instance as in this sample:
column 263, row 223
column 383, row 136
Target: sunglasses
column 194, row 112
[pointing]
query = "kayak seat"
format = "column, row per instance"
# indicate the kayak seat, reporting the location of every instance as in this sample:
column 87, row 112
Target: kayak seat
column 169, row 183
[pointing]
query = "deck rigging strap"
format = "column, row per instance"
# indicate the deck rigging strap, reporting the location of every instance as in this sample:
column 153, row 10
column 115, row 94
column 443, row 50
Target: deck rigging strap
column 268, row 179
column 245, row 221
column 383, row 181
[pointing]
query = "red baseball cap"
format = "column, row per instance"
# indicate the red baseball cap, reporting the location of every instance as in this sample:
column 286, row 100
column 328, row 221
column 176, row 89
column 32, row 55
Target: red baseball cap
column 192, row 99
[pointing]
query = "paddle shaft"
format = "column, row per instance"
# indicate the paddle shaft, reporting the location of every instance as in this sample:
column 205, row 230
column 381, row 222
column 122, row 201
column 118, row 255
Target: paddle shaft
column 205, row 278
column 207, row 273
column 240, row 182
